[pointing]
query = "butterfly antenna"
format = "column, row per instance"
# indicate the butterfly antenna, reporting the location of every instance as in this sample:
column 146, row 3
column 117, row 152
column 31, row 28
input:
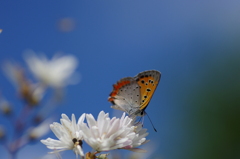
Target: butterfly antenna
column 151, row 123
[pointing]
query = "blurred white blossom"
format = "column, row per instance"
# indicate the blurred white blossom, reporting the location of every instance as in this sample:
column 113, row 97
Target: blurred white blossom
column 40, row 130
column 55, row 72
column 106, row 134
column 32, row 93
column 70, row 138
column 33, row 133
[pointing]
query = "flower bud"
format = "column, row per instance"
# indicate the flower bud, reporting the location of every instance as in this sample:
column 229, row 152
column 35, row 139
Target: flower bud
column 6, row 108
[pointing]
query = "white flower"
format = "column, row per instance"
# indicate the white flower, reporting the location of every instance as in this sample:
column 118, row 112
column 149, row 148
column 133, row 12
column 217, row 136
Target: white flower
column 106, row 134
column 70, row 138
column 55, row 72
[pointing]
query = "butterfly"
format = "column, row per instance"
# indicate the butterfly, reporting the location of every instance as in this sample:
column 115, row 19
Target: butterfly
column 133, row 94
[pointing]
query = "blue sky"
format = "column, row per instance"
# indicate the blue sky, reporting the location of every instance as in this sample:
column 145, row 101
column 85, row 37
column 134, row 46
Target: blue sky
column 116, row 39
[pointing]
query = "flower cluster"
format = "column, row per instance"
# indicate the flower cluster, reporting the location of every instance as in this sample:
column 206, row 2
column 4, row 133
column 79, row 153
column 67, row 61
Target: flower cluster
column 27, row 122
column 103, row 134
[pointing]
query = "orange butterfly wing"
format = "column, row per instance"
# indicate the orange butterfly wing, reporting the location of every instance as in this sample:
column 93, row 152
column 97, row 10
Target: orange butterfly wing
column 116, row 87
column 148, row 82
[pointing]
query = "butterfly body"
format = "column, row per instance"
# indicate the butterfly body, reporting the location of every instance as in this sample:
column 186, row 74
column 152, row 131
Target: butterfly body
column 133, row 94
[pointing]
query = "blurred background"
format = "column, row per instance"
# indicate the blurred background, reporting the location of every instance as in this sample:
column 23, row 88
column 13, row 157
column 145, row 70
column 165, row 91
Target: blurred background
column 194, row 44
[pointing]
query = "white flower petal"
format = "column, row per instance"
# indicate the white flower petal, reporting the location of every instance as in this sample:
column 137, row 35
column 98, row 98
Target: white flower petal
column 90, row 120
column 81, row 119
